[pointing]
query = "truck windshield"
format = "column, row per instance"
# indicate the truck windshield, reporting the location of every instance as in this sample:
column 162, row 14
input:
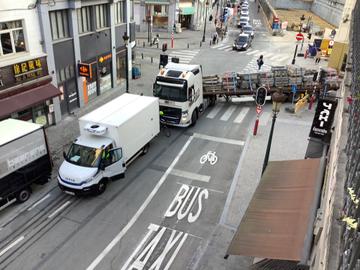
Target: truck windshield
column 170, row 93
column 83, row 155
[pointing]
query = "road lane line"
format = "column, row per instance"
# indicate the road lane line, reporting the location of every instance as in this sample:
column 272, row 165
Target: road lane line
column 241, row 115
column 121, row 234
column 38, row 202
column 215, row 111
column 227, row 114
column 59, row 209
column 12, row 245
column 190, row 175
column 218, row 139
column 264, row 118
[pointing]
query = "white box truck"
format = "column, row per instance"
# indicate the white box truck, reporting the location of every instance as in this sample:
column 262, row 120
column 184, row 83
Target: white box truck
column 110, row 138
column 24, row 159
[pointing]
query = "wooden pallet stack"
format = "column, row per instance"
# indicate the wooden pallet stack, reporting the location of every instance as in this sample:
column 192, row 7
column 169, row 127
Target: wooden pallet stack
column 229, row 82
column 245, row 79
column 281, row 77
column 212, row 84
column 295, row 74
column 266, row 78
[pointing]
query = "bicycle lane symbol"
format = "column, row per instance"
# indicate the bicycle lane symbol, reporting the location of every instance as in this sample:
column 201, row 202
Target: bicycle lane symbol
column 209, row 156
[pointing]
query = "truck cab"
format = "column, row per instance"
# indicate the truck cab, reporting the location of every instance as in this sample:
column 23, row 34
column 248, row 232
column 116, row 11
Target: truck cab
column 180, row 92
column 89, row 163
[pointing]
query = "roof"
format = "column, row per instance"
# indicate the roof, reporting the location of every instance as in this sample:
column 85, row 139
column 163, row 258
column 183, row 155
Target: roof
column 93, row 141
column 26, row 99
column 181, row 67
column 281, row 212
column 11, row 129
column 119, row 110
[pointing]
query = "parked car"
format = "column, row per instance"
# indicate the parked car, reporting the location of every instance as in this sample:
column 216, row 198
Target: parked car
column 243, row 21
column 243, row 42
column 248, row 29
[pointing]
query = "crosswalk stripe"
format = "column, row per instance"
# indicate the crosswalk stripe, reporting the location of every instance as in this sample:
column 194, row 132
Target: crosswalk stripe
column 241, row 115
column 223, row 46
column 228, row 49
column 228, row 113
column 286, row 57
column 264, row 118
column 215, row 111
column 267, row 54
column 182, row 56
column 217, row 46
column 252, row 52
column 275, row 57
column 182, row 53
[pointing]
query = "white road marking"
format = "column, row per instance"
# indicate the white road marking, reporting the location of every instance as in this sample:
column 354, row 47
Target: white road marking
column 241, row 115
column 267, row 54
column 253, row 52
column 223, row 46
column 12, row 245
column 217, row 139
column 214, row 190
column 215, row 111
column 286, row 57
column 245, row 99
column 217, row 45
column 228, row 49
column 294, row 122
column 264, row 118
column 59, row 209
column 121, row 234
column 228, row 113
column 38, row 202
column 190, row 175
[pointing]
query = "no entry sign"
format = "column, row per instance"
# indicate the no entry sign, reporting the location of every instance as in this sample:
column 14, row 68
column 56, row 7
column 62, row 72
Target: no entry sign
column 299, row 36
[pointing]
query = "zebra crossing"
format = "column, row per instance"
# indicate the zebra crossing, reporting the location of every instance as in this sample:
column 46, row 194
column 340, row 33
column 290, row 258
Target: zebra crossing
column 185, row 56
column 235, row 114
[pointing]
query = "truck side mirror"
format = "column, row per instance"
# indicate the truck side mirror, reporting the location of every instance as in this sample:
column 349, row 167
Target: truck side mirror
column 64, row 155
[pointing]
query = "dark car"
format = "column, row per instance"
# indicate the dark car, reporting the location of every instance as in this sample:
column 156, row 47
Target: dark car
column 243, row 42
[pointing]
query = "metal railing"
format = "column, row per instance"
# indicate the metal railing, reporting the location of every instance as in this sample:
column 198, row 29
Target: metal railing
column 350, row 246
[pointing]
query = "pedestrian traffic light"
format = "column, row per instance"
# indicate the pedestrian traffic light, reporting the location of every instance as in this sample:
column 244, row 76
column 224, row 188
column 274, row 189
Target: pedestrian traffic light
column 309, row 36
column 164, row 47
column 260, row 98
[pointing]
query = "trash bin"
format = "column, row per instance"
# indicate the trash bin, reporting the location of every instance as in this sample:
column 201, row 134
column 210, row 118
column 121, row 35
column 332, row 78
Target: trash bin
column 178, row 27
column 136, row 73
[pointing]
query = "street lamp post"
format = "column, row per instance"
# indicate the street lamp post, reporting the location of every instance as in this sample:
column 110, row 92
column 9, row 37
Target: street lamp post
column 206, row 5
column 277, row 99
column 126, row 41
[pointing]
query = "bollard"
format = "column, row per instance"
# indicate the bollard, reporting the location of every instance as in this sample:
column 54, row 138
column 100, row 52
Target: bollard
column 210, row 42
column 157, row 45
column 142, row 55
column 200, row 43
column 256, row 126
column 144, row 44
column 152, row 60
column 188, row 45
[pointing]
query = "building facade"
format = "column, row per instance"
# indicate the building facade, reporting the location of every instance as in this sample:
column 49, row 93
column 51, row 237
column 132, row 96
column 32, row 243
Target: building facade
column 26, row 91
column 87, row 35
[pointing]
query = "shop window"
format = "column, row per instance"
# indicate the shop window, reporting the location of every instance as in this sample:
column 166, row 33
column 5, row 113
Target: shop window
column 120, row 67
column 84, row 19
column 120, row 12
column 39, row 113
column 101, row 16
column 157, row 9
column 65, row 74
column 59, row 24
column 12, row 37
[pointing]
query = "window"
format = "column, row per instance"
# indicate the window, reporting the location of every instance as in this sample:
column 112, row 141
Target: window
column 120, row 12
column 59, row 24
column 65, row 74
column 84, row 19
column 11, row 37
column 101, row 16
column 157, row 9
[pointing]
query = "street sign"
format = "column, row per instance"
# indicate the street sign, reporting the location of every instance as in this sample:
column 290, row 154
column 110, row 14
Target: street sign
column 299, row 36
column 258, row 109
column 85, row 70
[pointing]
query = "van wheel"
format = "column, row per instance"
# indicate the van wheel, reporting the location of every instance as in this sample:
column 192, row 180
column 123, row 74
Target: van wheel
column 194, row 117
column 23, row 195
column 101, row 187
column 145, row 149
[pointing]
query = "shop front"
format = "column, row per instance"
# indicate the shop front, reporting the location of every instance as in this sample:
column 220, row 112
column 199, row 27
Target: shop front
column 26, row 92
column 187, row 11
column 157, row 12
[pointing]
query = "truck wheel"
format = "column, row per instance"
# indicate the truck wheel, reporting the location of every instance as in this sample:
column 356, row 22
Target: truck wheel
column 145, row 149
column 194, row 117
column 23, row 195
column 101, row 187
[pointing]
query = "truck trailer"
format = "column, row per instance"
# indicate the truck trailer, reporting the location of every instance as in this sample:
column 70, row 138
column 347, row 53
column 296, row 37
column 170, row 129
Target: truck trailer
column 24, row 159
column 111, row 137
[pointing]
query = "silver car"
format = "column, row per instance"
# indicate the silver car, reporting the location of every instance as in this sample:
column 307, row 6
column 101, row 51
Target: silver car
column 248, row 29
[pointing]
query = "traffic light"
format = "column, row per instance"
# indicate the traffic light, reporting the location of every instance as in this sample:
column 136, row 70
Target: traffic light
column 309, row 36
column 260, row 98
column 164, row 47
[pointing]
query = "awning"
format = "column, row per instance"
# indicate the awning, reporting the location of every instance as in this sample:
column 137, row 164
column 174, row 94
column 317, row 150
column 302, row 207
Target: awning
column 280, row 216
column 27, row 98
column 187, row 10
column 157, row 2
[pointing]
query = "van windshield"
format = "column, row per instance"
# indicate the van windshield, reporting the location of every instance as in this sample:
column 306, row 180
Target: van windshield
column 170, row 92
column 84, row 156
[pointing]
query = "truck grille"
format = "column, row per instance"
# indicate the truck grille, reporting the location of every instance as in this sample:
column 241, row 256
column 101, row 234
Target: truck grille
column 171, row 115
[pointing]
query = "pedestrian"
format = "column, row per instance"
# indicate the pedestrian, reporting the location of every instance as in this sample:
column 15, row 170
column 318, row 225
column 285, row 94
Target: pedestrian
column 260, row 61
column 318, row 56
column 215, row 38
column 258, row 8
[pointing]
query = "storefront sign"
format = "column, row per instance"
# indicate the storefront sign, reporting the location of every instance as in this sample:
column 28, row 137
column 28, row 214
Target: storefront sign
column 85, row 70
column 91, row 89
column 104, row 58
column 323, row 120
column 27, row 70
